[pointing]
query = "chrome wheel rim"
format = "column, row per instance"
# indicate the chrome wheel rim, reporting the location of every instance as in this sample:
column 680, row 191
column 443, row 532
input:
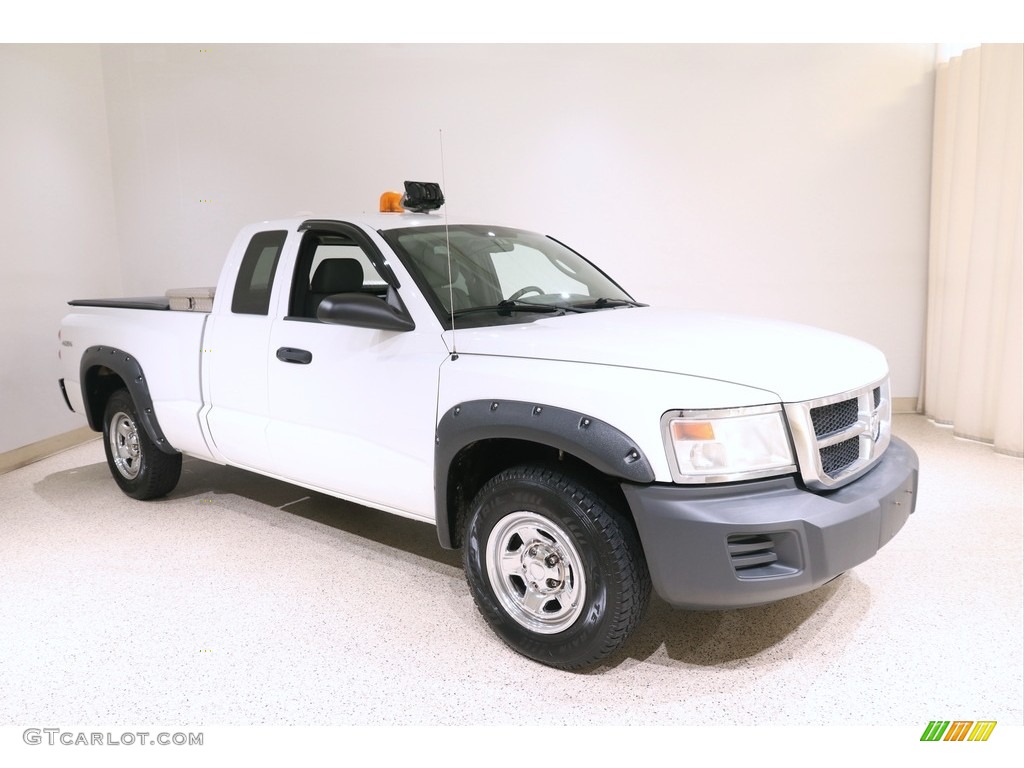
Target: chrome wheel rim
column 536, row 573
column 124, row 445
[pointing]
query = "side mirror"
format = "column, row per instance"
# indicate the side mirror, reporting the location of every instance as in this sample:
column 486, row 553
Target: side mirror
column 363, row 311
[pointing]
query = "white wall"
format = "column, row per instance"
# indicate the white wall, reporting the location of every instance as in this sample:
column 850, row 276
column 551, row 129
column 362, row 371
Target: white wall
column 789, row 181
column 56, row 221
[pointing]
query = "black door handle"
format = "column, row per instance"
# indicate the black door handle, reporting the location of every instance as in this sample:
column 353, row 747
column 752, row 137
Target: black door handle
column 289, row 355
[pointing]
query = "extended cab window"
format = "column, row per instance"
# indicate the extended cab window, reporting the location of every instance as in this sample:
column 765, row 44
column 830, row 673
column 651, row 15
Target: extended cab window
column 256, row 273
column 330, row 263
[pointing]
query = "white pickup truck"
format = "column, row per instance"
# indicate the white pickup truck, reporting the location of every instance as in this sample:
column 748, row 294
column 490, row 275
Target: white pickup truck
column 578, row 446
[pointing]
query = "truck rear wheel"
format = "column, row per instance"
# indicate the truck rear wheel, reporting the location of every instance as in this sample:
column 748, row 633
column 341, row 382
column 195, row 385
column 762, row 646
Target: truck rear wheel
column 138, row 466
column 555, row 569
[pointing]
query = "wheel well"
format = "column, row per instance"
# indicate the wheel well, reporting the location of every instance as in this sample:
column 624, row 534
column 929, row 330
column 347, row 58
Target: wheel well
column 478, row 462
column 98, row 384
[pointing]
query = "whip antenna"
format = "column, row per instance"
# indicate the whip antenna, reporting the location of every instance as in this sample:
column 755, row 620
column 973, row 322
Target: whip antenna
column 448, row 250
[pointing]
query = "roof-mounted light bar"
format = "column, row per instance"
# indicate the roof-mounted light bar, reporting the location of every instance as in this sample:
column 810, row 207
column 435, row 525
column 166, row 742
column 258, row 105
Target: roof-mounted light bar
column 419, row 197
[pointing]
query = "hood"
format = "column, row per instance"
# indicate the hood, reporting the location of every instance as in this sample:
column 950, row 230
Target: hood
column 796, row 362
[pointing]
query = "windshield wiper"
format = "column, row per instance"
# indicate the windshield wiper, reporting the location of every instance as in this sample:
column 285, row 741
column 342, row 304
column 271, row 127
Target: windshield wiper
column 511, row 305
column 603, row 302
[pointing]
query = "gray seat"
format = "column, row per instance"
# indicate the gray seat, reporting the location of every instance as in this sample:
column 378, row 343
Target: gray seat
column 333, row 276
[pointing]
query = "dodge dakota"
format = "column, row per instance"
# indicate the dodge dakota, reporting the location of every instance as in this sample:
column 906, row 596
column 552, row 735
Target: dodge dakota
column 578, row 446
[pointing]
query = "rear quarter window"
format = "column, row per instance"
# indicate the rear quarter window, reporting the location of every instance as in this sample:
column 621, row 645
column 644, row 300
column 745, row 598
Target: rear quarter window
column 256, row 273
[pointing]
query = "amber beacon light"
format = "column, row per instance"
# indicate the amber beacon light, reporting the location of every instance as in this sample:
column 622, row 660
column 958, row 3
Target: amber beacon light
column 391, row 202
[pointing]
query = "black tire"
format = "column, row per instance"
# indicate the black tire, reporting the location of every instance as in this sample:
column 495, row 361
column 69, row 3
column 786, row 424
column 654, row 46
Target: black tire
column 138, row 466
column 555, row 569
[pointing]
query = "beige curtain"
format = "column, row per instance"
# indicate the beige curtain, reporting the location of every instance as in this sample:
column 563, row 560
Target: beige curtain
column 974, row 355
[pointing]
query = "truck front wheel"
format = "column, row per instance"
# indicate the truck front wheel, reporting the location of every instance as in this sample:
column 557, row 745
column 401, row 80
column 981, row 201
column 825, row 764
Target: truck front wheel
column 555, row 569
column 139, row 467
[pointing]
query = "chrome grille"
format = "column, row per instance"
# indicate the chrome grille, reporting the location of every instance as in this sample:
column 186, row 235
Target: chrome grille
column 839, row 438
column 829, row 419
column 836, row 458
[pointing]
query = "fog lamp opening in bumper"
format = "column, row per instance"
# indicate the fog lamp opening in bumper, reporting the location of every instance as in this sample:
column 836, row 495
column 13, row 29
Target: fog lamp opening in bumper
column 764, row 555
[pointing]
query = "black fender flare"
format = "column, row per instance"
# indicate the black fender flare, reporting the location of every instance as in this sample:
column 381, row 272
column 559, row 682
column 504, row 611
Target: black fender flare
column 130, row 371
column 599, row 444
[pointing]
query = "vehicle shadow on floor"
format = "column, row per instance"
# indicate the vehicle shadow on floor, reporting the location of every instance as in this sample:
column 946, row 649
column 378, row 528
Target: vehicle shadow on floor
column 736, row 638
column 727, row 639
column 201, row 478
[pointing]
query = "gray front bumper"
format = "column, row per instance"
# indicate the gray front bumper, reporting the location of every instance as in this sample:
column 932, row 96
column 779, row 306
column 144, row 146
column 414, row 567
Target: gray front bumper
column 738, row 545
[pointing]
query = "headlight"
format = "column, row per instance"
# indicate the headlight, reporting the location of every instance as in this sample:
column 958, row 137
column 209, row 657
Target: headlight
column 725, row 445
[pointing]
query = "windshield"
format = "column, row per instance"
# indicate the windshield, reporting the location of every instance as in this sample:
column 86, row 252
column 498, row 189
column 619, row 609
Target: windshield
column 501, row 275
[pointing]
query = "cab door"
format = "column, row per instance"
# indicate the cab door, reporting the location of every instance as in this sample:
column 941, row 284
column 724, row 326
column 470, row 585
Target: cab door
column 234, row 354
column 352, row 410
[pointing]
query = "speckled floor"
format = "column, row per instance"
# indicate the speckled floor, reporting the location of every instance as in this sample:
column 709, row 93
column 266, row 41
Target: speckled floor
column 242, row 600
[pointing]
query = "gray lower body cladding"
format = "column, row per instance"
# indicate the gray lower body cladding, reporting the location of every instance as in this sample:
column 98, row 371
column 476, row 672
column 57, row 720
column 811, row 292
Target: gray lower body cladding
column 733, row 546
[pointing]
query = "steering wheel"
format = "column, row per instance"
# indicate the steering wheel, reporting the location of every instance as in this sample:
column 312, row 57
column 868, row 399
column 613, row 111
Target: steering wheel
column 523, row 291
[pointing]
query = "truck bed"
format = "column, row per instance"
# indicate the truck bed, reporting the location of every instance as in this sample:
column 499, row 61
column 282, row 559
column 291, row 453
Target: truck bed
column 167, row 345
